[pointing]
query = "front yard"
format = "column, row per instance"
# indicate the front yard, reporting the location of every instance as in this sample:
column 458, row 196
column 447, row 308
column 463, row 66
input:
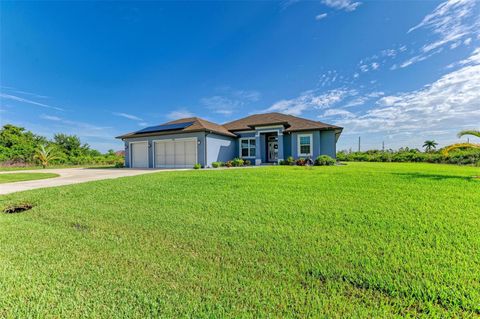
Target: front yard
column 365, row 239
column 20, row 177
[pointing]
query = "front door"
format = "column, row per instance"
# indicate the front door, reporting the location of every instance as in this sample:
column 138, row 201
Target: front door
column 272, row 150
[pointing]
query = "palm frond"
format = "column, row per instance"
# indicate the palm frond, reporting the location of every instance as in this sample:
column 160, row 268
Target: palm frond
column 469, row 132
column 452, row 147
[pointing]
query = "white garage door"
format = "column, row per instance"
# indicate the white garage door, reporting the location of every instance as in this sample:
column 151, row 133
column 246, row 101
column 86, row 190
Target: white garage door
column 179, row 153
column 139, row 154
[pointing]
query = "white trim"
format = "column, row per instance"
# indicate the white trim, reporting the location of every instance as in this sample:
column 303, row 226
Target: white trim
column 259, row 127
column 130, row 164
column 242, row 132
column 257, row 134
column 298, row 144
column 195, row 139
column 240, row 147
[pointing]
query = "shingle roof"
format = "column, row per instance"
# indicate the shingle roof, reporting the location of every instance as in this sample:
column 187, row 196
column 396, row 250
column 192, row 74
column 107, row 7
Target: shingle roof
column 292, row 123
column 197, row 126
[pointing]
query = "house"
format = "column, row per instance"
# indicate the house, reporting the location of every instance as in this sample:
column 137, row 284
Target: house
column 260, row 138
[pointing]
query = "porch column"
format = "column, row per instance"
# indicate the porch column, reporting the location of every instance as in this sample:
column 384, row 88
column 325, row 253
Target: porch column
column 280, row 146
column 258, row 149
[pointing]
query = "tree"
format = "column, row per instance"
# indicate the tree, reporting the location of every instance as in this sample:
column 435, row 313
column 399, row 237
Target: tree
column 70, row 144
column 45, row 155
column 430, row 145
column 452, row 147
column 17, row 144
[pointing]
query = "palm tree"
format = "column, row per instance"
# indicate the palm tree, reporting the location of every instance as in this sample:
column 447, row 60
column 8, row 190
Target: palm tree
column 463, row 145
column 430, row 145
column 45, row 155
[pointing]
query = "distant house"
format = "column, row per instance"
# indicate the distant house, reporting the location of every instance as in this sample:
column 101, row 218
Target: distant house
column 260, row 138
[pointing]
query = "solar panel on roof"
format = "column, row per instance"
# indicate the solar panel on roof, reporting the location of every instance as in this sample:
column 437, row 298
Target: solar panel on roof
column 166, row 127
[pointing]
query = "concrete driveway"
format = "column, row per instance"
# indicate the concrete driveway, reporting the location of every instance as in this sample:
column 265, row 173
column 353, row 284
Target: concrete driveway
column 70, row 176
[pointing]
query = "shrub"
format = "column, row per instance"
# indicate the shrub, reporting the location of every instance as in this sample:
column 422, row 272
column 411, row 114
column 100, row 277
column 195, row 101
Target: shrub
column 283, row 162
column 228, row 164
column 461, row 157
column 247, row 163
column 324, row 160
column 216, row 164
column 236, row 162
column 119, row 164
column 300, row 162
column 197, row 166
column 290, row 160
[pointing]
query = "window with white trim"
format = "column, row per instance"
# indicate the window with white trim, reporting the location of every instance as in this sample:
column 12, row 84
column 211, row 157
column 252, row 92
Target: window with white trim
column 305, row 145
column 247, row 147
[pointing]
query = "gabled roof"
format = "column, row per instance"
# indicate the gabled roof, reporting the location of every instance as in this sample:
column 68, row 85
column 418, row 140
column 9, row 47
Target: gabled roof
column 290, row 122
column 197, row 125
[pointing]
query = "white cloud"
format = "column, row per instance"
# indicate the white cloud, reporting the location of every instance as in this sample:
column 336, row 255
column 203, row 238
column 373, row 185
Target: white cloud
column 229, row 100
column 11, row 89
column 309, row 100
column 127, row 116
column 221, row 105
column 23, row 100
column 287, row 3
column 450, row 103
column 338, row 112
column 320, row 16
column 80, row 128
column 179, row 114
column 364, row 68
column 452, row 24
column 346, row 5
column 50, row 117
column 375, row 65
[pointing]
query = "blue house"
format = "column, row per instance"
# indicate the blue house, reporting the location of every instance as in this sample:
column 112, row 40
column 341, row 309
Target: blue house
column 260, row 138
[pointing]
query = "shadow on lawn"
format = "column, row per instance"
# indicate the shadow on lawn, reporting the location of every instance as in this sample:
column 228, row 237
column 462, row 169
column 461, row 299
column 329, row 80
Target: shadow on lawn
column 436, row 177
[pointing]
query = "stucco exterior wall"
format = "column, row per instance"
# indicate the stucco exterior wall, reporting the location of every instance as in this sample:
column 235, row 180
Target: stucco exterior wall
column 200, row 147
column 328, row 144
column 220, row 148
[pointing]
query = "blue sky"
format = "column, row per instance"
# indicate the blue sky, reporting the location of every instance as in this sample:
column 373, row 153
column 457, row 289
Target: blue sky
column 394, row 71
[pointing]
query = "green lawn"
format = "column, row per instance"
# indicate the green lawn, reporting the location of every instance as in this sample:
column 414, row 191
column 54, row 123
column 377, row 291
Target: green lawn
column 19, row 177
column 23, row 168
column 365, row 239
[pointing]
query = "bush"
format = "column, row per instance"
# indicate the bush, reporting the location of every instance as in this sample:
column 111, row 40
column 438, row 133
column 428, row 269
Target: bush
column 216, row 164
column 197, row 166
column 324, row 160
column 247, row 163
column 300, row 162
column 236, row 162
column 119, row 164
column 460, row 157
column 283, row 162
column 290, row 160
column 228, row 164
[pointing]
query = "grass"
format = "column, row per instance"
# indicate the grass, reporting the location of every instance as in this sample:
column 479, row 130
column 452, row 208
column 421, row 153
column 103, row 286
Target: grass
column 20, row 177
column 23, row 168
column 361, row 240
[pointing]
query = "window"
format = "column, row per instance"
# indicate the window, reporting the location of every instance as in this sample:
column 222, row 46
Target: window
column 247, row 147
column 305, row 145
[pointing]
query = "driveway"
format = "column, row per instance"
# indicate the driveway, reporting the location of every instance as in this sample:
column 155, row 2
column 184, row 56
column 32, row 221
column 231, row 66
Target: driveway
column 70, row 176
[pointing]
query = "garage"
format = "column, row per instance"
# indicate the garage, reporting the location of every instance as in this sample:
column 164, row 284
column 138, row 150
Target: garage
column 139, row 154
column 175, row 153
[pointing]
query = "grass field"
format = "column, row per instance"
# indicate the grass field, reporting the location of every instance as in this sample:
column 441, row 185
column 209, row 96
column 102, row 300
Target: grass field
column 23, row 168
column 19, row 177
column 365, row 239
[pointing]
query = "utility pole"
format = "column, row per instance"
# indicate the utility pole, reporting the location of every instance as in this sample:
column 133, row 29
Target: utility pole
column 383, row 146
column 359, row 143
